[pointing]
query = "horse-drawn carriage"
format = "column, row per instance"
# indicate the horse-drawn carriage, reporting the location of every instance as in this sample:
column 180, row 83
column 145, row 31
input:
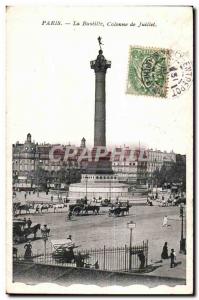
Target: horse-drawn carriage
column 119, row 210
column 21, row 232
column 82, row 207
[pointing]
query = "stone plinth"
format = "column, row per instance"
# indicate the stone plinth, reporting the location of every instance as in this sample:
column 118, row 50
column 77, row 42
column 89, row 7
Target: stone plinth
column 94, row 186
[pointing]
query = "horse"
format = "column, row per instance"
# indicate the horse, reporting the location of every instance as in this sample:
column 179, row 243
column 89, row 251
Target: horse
column 16, row 207
column 57, row 206
column 117, row 211
column 126, row 209
column 32, row 230
column 44, row 207
column 94, row 208
column 25, row 207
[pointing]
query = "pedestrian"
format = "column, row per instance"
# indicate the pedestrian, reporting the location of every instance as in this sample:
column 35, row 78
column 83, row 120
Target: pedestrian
column 69, row 214
column 96, row 265
column 29, row 223
column 165, row 221
column 28, row 251
column 25, row 195
column 141, row 257
column 164, row 254
column 69, row 247
column 69, row 243
column 173, row 258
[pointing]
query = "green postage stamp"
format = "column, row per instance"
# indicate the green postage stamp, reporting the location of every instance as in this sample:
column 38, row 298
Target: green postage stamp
column 148, row 71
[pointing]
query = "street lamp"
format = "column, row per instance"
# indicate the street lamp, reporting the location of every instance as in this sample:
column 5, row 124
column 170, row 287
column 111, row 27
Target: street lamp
column 86, row 185
column 182, row 239
column 45, row 238
column 131, row 225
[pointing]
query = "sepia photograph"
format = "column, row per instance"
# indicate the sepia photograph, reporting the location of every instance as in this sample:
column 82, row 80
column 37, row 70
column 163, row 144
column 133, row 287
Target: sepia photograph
column 99, row 120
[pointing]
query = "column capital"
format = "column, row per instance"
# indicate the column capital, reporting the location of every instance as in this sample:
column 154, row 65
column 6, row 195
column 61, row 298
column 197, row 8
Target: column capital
column 100, row 64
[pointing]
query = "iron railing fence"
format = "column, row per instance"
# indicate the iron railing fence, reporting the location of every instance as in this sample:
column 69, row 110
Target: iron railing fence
column 106, row 258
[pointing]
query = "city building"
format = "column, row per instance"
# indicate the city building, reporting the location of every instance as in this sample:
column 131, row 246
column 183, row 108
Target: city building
column 137, row 169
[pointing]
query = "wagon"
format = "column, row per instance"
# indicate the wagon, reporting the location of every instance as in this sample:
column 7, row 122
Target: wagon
column 64, row 254
column 82, row 208
column 21, row 233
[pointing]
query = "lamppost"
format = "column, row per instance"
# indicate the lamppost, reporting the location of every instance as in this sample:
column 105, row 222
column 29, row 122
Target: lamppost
column 38, row 181
column 182, row 239
column 45, row 238
column 110, row 192
column 86, row 185
column 131, row 225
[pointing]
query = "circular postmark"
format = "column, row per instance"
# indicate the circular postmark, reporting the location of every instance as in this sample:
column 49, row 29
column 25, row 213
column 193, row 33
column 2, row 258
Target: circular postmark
column 180, row 73
column 153, row 71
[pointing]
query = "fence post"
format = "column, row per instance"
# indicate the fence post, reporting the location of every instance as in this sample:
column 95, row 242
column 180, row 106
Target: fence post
column 130, row 250
column 104, row 257
column 125, row 257
column 147, row 249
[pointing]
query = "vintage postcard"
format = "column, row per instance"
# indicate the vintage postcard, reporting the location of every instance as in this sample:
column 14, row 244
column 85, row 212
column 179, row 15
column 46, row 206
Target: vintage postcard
column 99, row 150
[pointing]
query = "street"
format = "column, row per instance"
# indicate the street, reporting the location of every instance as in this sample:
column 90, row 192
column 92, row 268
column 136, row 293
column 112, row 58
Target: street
column 95, row 231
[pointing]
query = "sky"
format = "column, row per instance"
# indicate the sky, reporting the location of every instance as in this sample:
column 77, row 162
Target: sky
column 51, row 88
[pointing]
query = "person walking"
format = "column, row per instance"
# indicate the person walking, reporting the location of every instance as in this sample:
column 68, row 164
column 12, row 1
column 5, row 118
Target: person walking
column 70, row 246
column 164, row 254
column 173, row 258
column 141, row 257
column 165, row 221
column 28, row 251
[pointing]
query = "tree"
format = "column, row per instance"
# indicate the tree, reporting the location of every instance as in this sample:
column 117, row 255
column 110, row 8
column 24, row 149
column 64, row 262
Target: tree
column 176, row 173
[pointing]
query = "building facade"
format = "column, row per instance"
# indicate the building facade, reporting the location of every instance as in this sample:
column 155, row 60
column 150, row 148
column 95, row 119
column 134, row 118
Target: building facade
column 30, row 158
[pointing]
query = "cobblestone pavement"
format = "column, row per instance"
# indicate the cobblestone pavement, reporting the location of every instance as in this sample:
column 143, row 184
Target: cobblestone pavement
column 95, row 231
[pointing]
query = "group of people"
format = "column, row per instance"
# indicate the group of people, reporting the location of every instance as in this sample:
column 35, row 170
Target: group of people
column 28, row 193
column 27, row 223
column 165, row 255
column 119, row 204
column 28, row 245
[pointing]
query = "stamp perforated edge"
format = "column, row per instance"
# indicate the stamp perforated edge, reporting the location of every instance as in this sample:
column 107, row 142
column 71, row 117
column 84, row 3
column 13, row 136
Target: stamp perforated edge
column 167, row 76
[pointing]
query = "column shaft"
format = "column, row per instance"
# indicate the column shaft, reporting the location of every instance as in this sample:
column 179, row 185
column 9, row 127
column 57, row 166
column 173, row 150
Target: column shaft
column 100, row 110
